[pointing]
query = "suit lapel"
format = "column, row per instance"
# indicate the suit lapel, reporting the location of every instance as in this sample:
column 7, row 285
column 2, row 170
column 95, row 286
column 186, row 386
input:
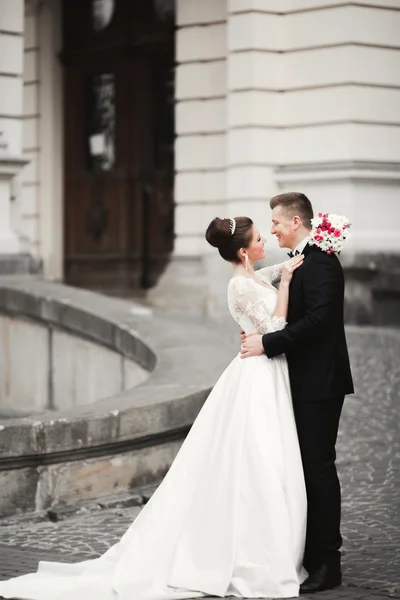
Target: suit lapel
column 295, row 288
column 306, row 251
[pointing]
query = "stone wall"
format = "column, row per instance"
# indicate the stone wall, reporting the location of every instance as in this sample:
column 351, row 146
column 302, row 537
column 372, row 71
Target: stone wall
column 39, row 191
column 87, row 349
column 276, row 96
column 47, row 368
column 11, row 69
column 11, row 121
column 29, row 180
column 201, row 120
column 30, row 137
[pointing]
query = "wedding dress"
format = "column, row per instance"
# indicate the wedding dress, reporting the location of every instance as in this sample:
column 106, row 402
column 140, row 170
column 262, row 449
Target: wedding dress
column 229, row 518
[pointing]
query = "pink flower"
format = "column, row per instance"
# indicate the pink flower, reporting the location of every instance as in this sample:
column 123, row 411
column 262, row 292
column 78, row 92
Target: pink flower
column 329, row 231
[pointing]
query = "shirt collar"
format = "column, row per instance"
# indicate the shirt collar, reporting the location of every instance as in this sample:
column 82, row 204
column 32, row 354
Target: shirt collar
column 300, row 247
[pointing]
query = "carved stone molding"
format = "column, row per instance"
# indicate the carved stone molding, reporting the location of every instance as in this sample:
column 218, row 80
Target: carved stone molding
column 11, row 165
column 356, row 170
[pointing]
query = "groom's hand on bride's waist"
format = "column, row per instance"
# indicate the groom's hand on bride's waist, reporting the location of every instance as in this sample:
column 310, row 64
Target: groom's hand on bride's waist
column 251, row 345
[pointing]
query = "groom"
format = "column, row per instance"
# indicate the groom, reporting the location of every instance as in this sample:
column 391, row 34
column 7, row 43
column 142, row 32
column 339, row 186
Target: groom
column 315, row 346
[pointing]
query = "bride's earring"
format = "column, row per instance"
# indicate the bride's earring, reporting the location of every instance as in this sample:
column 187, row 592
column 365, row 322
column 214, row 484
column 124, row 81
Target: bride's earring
column 246, row 263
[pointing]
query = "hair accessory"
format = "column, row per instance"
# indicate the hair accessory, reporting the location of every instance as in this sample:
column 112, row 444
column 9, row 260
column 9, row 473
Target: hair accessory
column 232, row 224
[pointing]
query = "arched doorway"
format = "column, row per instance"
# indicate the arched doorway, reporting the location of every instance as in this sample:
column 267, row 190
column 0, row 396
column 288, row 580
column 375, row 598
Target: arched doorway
column 118, row 59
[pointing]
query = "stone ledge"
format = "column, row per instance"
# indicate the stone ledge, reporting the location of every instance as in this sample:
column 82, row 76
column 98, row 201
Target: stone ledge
column 183, row 358
column 355, row 170
column 372, row 288
column 19, row 264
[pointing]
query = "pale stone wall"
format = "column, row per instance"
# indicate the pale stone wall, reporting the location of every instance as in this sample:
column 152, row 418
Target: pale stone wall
column 29, row 179
column 200, row 150
column 44, row 368
column 11, row 99
column 19, row 101
column 340, row 114
column 24, row 366
column 11, row 66
column 315, row 94
column 311, row 103
column 201, row 120
column 271, row 95
column 41, row 183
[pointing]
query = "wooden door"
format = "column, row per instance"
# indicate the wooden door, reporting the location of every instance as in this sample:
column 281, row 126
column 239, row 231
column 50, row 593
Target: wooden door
column 119, row 132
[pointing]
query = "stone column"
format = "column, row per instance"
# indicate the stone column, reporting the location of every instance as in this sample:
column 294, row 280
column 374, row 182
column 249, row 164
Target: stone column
column 50, row 133
column 314, row 106
column 252, row 101
column 9, row 242
column 250, row 136
column 338, row 76
column 11, row 111
column 287, row 96
column 200, row 151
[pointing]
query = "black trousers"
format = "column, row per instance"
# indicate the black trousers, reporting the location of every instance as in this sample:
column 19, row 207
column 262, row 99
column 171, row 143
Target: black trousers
column 317, row 426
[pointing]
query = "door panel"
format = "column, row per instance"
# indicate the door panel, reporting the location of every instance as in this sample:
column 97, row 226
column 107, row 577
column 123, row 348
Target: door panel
column 119, row 134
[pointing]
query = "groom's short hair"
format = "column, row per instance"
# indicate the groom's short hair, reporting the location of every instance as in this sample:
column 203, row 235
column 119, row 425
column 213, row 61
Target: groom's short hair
column 294, row 204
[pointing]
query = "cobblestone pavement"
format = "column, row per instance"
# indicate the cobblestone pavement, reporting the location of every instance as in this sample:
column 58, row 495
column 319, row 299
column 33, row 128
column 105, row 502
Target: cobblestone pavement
column 369, row 468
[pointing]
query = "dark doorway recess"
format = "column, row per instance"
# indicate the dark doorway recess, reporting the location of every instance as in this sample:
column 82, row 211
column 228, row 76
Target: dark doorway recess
column 118, row 58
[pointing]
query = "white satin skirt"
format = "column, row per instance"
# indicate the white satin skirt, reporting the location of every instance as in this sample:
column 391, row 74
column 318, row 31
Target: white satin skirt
column 229, row 518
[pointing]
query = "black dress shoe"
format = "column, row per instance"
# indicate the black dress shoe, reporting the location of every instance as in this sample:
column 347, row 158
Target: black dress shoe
column 324, row 578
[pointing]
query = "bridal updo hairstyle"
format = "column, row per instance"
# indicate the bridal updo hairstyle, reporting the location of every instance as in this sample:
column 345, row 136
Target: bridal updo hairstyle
column 219, row 235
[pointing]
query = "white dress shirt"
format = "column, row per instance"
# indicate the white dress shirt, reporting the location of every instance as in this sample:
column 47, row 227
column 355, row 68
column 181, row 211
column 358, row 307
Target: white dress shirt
column 300, row 247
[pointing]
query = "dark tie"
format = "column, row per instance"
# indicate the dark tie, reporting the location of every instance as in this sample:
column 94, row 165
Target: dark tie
column 290, row 254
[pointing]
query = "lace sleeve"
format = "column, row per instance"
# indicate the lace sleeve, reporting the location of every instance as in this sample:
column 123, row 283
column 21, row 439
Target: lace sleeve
column 251, row 302
column 271, row 274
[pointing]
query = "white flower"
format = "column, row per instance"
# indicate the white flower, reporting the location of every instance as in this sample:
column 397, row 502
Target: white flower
column 329, row 239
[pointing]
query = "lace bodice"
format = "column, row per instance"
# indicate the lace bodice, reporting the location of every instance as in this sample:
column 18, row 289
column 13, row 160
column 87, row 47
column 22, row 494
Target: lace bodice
column 252, row 304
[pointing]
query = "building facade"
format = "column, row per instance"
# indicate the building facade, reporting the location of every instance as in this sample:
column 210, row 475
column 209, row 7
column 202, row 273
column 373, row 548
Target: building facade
column 127, row 126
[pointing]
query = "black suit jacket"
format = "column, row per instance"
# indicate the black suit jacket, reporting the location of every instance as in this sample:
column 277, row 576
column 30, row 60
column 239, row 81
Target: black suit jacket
column 314, row 339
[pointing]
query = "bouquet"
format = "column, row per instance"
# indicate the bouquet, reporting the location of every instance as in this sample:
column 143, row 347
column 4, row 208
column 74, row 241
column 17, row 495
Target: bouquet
column 329, row 232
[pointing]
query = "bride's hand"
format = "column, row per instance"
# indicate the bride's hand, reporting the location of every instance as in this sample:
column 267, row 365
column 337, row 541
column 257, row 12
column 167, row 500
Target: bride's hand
column 289, row 268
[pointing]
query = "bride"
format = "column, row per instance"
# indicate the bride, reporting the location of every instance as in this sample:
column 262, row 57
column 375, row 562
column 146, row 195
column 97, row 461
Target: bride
column 229, row 518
